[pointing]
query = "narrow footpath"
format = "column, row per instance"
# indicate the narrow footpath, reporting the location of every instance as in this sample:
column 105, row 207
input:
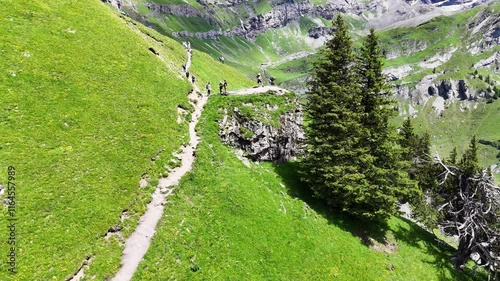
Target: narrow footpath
column 138, row 243
column 258, row 90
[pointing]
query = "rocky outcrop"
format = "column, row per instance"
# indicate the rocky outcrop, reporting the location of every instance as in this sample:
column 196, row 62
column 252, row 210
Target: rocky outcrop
column 492, row 63
column 262, row 141
column 117, row 4
column 429, row 86
column 444, row 92
column 283, row 12
column 486, row 26
column 178, row 10
column 377, row 13
column 318, row 32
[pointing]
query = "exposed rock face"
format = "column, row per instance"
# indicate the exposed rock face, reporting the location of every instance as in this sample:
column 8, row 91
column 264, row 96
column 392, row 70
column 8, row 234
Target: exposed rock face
column 117, row 4
column 428, row 86
column 486, row 25
column 445, row 92
column 279, row 16
column 178, row 10
column 444, row 89
column 264, row 142
column 318, row 32
column 492, row 62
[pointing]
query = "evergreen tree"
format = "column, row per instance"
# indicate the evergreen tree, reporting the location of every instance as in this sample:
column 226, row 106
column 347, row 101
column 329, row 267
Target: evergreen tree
column 453, row 156
column 333, row 134
column 469, row 163
column 385, row 172
column 353, row 160
column 407, row 140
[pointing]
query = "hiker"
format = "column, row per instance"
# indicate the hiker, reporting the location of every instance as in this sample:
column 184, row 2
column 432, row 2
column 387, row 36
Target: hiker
column 193, row 78
column 271, row 81
column 187, row 74
column 259, row 80
column 209, row 88
column 225, row 86
column 221, row 59
column 221, row 86
column 183, row 67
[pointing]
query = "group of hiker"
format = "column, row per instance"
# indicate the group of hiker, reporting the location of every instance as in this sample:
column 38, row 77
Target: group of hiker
column 222, row 88
column 260, row 81
column 222, row 84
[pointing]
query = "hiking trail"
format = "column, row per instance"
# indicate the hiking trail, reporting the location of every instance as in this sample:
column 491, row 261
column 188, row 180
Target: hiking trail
column 258, row 90
column 138, row 242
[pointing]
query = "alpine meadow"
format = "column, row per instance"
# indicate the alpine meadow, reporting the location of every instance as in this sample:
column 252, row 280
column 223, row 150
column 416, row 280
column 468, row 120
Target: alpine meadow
column 250, row 140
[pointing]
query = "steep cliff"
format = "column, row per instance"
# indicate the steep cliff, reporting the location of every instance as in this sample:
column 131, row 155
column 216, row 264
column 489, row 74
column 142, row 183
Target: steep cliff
column 261, row 138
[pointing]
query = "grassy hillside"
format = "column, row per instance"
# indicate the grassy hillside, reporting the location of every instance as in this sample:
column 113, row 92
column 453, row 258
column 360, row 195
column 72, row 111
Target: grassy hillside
column 85, row 106
column 456, row 126
column 230, row 222
column 440, row 36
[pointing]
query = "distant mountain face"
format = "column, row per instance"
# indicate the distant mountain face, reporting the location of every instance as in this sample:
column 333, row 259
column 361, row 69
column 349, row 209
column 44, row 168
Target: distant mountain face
column 210, row 19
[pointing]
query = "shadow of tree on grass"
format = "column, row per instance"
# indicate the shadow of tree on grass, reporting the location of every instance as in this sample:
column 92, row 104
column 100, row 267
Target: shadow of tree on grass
column 370, row 232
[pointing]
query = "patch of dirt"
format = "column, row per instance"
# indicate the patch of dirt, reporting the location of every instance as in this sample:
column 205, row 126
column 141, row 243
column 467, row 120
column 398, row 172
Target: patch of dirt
column 387, row 246
column 79, row 274
column 180, row 114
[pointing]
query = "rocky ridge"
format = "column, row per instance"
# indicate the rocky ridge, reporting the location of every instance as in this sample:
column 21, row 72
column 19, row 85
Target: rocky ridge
column 379, row 13
column 263, row 141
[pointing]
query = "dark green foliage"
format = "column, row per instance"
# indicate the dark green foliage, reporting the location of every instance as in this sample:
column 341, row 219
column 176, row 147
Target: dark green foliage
column 465, row 204
column 384, row 168
column 452, row 160
column 469, row 163
column 353, row 160
column 414, row 146
column 427, row 172
column 496, row 90
column 416, row 150
column 334, row 130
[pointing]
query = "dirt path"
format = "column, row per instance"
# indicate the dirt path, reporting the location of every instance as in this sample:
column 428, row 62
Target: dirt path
column 138, row 243
column 258, row 90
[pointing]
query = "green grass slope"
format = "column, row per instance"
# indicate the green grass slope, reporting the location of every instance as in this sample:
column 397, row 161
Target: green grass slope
column 230, row 222
column 84, row 107
column 456, row 126
column 441, row 35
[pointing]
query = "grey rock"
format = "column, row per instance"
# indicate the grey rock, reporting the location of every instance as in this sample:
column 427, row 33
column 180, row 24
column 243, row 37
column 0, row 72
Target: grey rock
column 264, row 142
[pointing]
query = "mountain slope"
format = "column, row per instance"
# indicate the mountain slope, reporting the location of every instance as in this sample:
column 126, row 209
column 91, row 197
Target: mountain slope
column 230, row 220
column 89, row 106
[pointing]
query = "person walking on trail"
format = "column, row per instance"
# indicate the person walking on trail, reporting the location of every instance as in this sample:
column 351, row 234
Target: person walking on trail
column 187, row 74
column 259, row 79
column 193, row 78
column 271, row 80
column 183, row 67
column 225, row 86
column 209, row 88
column 221, row 59
column 221, row 86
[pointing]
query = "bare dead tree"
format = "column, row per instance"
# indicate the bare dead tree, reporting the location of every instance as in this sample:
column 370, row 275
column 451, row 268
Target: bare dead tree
column 470, row 211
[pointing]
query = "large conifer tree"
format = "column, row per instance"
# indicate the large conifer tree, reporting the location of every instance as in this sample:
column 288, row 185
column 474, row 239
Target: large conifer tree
column 386, row 178
column 334, row 130
column 352, row 161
